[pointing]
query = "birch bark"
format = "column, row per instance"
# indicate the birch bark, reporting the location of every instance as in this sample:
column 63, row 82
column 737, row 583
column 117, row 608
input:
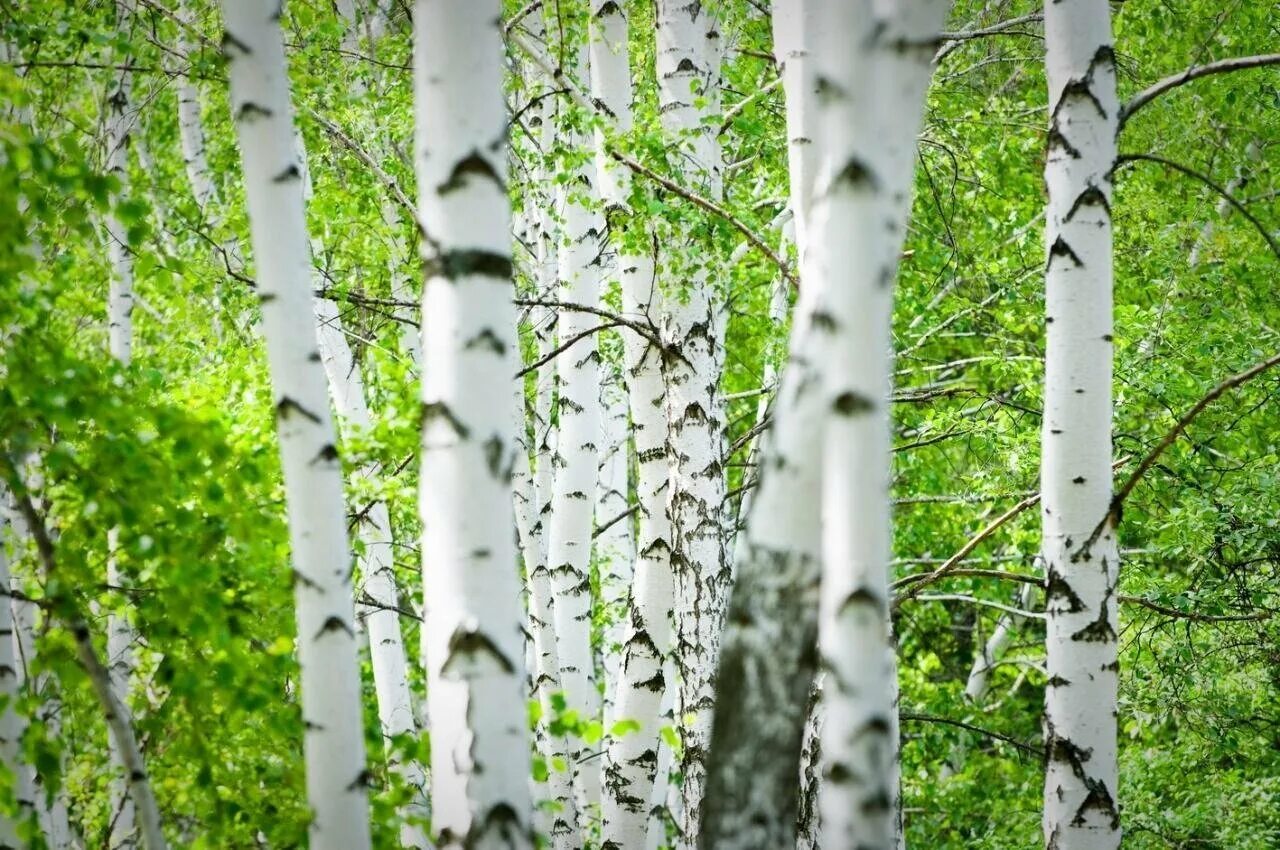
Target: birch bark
column 327, row 651
column 688, row 58
column 11, row 725
column 768, row 661
column 379, row 599
column 121, row 636
column 472, row 641
column 873, row 104
column 631, row 760
column 563, row 827
column 1081, row 566
column 576, row 462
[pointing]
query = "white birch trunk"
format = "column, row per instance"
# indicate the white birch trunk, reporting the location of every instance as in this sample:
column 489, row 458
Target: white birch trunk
column 576, row 469
column 327, row 651
column 120, row 302
column 631, row 760
column 867, row 138
column 378, row 596
column 1080, row 804
column 615, row 547
column 563, row 827
column 688, row 59
column 793, row 36
column 11, row 723
column 54, row 818
column 768, row 664
column 472, row 639
column 993, row 649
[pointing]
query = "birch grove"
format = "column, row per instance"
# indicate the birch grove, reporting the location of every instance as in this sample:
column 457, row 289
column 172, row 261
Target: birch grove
column 609, row 424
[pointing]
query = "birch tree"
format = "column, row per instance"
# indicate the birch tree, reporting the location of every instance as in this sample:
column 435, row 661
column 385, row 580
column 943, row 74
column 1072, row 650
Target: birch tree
column 11, row 763
column 631, row 760
column 1079, row 548
column 768, row 662
column 552, row 746
column 121, row 637
column 471, row 635
column 327, row 652
column 867, row 137
column 576, row 461
column 688, row 58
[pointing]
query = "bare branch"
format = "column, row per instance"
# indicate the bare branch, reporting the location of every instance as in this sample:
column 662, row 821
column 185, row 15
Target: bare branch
column 1195, row 72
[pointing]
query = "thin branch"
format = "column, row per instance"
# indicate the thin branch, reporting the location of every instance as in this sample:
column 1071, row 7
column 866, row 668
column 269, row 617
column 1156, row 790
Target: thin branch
column 361, row 154
column 1191, row 615
column 565, row 346
column 1117, row 501
column 953, row 40
column 734, row 111
column 619, row 518
column 919, row 581
column 911, row 716
column 1195, row 72
column 641, row 328
column 1227, row 196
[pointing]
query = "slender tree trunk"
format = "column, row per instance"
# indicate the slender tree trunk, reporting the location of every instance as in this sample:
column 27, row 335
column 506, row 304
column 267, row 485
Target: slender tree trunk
column 768, row 663
column 576, row 459
column 793, row 37
column 471, row 635
column 867, row 138
column 327, row 651
column 121, row 636
column 11, row 723
column 1007, row 625
column 631, row 760
column 688, row 59
column 115, row 711
column 379, row 599
column 553, row 747
column 1080, row 805
column 615, row 547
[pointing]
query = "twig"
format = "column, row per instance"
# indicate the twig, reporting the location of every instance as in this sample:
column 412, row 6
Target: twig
column 920, row 581
column 953, row 40
column 912, row 716
column 587, row 103
column 565, row 346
